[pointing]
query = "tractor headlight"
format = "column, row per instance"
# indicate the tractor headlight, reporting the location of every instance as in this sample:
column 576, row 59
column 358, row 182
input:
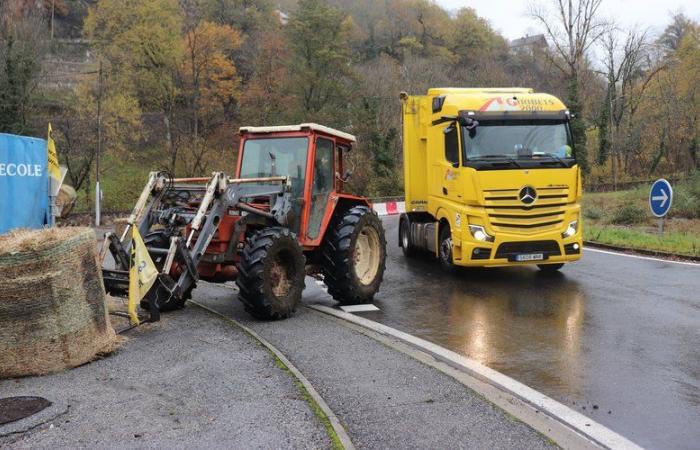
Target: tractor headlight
column 570, row 230
column 479, row 233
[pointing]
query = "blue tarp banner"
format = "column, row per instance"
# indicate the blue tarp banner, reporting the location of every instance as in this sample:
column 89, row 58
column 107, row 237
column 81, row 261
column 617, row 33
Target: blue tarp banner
column 24, row 192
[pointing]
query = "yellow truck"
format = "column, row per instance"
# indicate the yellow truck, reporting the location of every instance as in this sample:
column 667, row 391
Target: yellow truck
column 490, row 178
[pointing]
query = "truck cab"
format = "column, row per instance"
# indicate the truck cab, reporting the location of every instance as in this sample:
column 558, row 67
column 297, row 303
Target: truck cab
column 490, row 178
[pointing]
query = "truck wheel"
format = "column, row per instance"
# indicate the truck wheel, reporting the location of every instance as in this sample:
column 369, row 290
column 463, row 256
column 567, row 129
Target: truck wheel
column 445, row 248
column 354, row 256
column 550, row 268
column 409, row 250
column 271, row 274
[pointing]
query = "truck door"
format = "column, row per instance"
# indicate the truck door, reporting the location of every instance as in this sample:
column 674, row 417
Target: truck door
column 451, row 185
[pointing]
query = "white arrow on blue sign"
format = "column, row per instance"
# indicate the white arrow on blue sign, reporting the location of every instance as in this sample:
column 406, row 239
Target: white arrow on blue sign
column 660, row 197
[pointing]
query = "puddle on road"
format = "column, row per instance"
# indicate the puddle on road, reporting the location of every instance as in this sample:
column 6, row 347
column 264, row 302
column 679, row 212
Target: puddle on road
column 515, row 320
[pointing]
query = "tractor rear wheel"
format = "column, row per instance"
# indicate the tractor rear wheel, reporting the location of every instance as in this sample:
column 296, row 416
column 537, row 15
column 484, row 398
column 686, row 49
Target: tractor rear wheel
column 271, row 274
column 354, row 256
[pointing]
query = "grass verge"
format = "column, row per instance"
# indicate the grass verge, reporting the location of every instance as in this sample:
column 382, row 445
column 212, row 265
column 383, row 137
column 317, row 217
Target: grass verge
column 623, row 219
column 672, row 242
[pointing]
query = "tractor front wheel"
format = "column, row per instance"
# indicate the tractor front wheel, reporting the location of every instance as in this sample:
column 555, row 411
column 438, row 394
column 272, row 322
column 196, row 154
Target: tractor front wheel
column 271, row 274
column 354, row 256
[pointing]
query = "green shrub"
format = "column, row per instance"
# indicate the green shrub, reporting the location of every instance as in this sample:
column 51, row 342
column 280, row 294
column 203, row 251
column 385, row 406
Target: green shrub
column 685, row 204
column 592, row 213
column 628, row 215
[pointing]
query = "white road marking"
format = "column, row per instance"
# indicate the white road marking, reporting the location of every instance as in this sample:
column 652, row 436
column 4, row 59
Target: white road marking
column 585, row 426
column 359, row 308
column 649, row 258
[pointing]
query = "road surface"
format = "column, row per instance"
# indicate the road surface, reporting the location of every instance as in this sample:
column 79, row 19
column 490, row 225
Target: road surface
column 614, row 337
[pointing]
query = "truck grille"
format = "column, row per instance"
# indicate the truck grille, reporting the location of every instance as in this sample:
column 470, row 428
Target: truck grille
column 507, row 214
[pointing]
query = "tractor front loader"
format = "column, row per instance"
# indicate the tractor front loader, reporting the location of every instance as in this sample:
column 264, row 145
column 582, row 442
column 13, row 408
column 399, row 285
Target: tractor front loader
column 282, row 217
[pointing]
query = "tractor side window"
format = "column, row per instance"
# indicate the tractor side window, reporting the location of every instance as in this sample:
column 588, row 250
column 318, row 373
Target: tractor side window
column 321, row 186
column 451, row 145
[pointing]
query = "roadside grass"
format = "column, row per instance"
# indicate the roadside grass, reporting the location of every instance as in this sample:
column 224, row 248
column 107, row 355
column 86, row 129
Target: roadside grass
column 623, row 219
column 122, row 182
column 672, row 242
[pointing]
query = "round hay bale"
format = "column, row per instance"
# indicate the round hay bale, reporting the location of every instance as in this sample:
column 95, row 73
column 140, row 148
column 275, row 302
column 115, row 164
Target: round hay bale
column 52, row 302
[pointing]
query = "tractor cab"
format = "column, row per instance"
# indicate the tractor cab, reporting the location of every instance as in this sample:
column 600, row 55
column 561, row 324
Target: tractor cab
column 311, row 156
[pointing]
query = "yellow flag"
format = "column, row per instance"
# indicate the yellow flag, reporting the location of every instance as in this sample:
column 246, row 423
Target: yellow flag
column 142, row 273
column 54, row 169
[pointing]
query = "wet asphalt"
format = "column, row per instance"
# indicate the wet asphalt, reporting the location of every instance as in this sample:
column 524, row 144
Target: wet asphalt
column 614, row 337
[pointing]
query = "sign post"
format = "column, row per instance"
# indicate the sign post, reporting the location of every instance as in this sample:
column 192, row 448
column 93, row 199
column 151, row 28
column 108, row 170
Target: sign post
column 660, row 199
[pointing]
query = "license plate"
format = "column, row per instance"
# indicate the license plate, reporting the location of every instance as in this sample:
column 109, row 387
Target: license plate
column 530, row 257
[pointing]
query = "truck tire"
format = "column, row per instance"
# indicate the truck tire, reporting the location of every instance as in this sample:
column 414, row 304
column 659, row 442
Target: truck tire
column 409, row 250
column 445, row 248
column 163, row 299
column 271, row 274
column 354, row 256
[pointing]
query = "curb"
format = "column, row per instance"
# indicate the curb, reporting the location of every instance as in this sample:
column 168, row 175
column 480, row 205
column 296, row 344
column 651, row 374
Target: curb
column 653, row 253
column 577, row 430
column 338, row 428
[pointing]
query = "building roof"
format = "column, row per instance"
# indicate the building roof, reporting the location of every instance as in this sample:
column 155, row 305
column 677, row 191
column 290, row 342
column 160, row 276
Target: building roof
column 537, row 40
column 300, row 127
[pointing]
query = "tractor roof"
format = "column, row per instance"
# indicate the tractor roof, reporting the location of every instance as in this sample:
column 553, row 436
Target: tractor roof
column 300, row 127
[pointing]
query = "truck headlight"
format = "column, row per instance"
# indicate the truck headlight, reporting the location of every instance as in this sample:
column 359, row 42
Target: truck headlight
column 570, row 230
column 479, row 233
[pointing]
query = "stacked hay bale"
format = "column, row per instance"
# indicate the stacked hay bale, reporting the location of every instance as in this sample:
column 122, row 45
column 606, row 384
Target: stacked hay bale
column 52, row 302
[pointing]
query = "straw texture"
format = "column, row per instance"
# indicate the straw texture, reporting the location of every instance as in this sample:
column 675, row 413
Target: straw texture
column 53, row 314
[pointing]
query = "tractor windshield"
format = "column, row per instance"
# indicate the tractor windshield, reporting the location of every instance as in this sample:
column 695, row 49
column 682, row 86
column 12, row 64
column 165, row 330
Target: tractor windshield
column 276, row 157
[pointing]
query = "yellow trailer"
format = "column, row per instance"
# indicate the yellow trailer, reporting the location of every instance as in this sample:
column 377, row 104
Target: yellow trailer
column 490, row 178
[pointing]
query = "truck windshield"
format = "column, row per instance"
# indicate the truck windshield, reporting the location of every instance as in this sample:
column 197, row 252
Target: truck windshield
column 518, row 142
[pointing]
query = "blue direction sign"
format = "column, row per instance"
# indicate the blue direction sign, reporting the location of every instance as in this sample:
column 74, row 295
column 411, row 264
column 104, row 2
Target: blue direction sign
column 660, row 197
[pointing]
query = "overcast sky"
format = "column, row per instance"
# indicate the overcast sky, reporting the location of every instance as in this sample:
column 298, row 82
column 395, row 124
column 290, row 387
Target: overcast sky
column 508, row 16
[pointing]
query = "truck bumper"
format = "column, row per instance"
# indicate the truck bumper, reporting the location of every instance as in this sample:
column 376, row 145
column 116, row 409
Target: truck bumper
column 511, row 250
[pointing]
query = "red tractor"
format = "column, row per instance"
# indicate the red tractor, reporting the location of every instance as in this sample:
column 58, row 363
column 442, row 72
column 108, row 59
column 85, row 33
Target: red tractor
column 282, row 217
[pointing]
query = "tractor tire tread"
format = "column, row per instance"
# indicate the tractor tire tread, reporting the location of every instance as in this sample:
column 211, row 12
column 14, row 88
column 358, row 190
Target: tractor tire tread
column 337, row 266
column 250, row 280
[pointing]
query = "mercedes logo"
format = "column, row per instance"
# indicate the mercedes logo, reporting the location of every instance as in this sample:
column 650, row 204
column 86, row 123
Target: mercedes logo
column 527, row 195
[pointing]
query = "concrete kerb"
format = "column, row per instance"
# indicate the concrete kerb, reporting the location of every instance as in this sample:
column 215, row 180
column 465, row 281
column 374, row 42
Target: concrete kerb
column 567, row 428
column 338, row 428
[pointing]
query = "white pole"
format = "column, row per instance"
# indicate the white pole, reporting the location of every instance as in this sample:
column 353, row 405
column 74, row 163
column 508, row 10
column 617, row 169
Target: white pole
column 97, row 203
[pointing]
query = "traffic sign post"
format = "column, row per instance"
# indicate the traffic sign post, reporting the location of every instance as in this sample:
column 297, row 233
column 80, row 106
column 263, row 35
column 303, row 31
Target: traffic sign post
column 660, row 199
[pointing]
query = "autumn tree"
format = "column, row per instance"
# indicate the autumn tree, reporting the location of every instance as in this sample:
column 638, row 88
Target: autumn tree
column 141, row 46
column 266, row 98
column 210, row 83
column 573, row 27
column 76, row 124
column 625, row 58
column 320, row 61
column 21, row 51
